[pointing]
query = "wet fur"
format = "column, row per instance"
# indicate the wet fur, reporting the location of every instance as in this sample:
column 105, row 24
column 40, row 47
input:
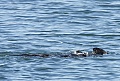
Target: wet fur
column 99, row 51
column 96, row 51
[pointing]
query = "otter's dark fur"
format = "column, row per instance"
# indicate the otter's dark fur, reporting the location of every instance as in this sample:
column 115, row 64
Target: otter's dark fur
column 99, row 51
column 78, row 53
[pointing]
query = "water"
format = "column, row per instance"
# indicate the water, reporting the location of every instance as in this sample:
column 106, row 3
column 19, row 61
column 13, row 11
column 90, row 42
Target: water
column 59, row 26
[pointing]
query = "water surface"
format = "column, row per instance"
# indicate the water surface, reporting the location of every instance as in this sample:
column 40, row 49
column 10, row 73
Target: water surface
column 59, row 26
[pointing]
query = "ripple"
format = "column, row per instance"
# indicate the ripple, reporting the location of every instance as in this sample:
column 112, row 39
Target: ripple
column 59, row 27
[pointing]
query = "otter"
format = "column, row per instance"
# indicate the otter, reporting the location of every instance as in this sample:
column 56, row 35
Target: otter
column 99, row 51
column 77, row 53
column 40, row 55
column 95, row 52
column 80, row 53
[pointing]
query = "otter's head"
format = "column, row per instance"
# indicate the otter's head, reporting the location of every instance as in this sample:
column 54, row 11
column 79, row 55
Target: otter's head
column 99, row 51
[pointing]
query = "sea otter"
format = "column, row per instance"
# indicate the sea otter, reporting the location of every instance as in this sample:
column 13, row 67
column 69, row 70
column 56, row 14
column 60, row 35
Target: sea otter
column 95, row 52
column 99, row 51
column 77, row 53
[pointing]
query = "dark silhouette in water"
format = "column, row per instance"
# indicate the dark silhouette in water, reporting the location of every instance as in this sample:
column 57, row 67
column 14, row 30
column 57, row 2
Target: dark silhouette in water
column 99, row 51
column 40, row 55
column 77, row 53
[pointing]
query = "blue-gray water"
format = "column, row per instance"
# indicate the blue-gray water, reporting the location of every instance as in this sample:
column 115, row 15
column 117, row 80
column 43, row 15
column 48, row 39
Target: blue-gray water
column 59, row 26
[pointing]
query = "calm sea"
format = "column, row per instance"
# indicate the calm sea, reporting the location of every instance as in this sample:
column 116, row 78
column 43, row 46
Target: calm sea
column 54, row 27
